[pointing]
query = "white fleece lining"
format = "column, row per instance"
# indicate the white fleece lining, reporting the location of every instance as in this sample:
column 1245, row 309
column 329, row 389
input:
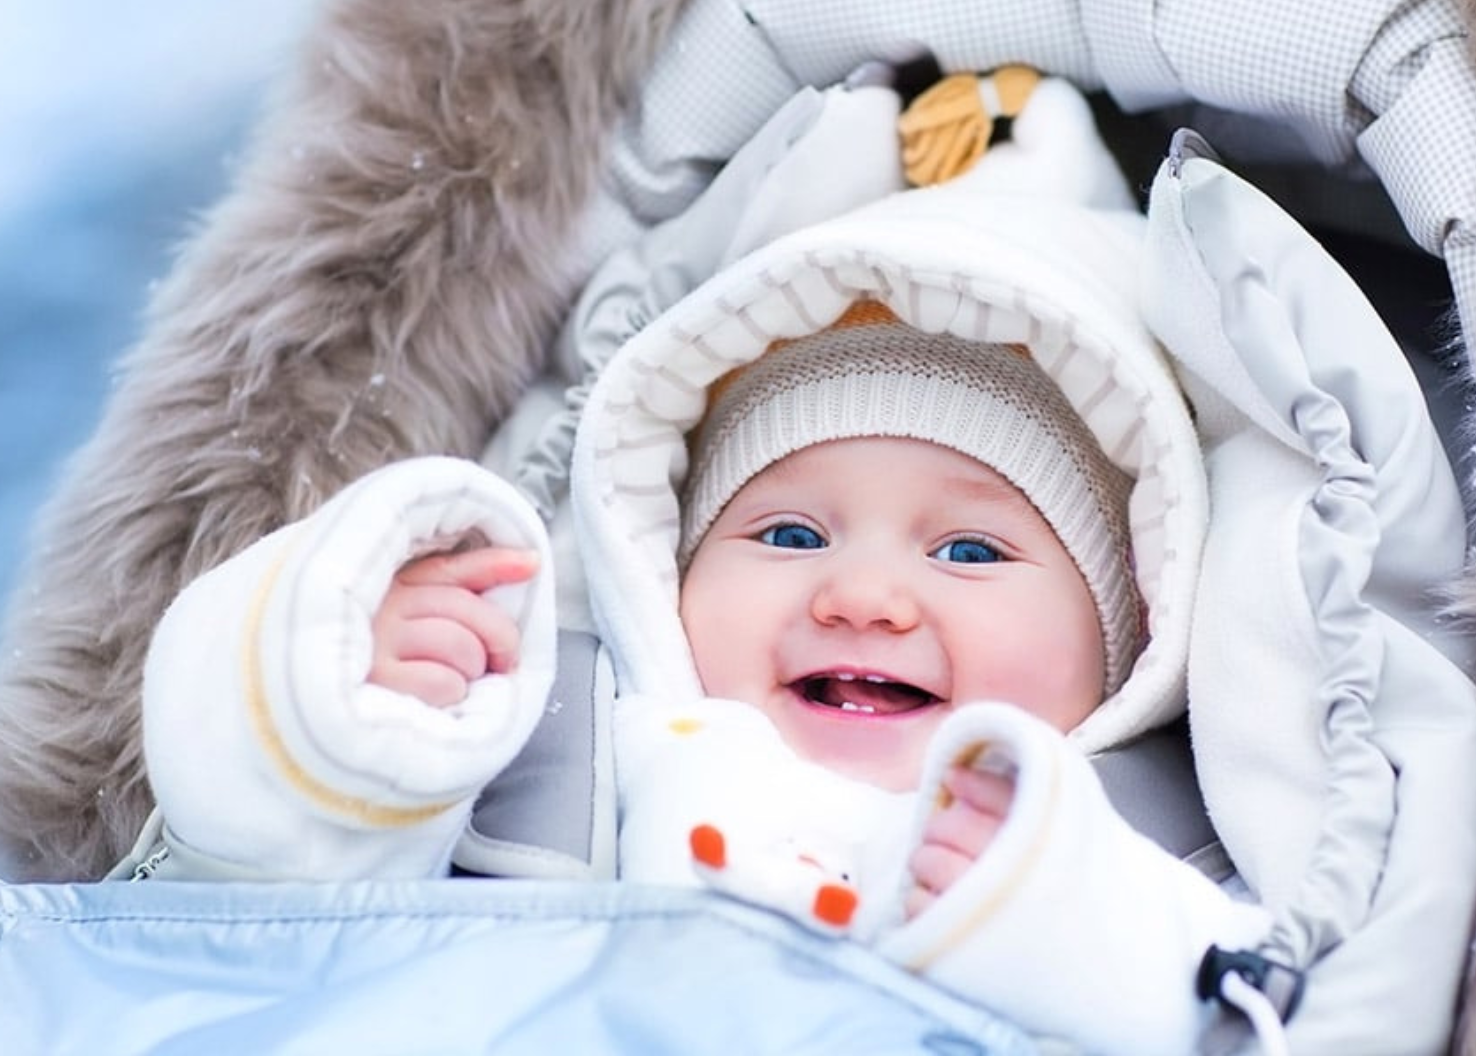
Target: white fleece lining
column 942, row 260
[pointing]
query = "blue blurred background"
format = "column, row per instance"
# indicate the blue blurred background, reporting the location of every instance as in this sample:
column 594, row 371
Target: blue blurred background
column 118, row 124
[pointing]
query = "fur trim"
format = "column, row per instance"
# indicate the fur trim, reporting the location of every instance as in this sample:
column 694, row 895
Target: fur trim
column 381, row 283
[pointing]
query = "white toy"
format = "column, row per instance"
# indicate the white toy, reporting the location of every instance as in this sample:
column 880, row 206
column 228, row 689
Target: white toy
column 751, row 818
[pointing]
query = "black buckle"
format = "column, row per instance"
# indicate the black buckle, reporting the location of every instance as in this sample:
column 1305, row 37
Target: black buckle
column 1282, row 984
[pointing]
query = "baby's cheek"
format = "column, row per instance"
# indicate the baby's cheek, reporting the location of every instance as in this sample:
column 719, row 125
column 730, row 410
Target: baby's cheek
column 706, row 633
column 1078, row 694
column 1063, row 684
column 723, row 629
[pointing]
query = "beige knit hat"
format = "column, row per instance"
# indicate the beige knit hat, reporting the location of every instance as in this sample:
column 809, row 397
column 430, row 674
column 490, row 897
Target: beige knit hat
column 869, row 374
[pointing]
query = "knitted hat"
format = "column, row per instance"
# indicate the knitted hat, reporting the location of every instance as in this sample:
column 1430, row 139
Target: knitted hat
column 869, row 374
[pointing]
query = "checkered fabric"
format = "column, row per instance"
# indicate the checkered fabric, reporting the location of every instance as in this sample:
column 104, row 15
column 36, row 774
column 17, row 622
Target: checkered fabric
column 1386, row 84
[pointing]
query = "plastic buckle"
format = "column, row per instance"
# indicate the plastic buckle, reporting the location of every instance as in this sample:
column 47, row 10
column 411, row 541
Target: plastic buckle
column 1282, row 984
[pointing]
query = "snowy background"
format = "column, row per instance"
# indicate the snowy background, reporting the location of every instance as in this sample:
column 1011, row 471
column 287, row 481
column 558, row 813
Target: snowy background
column 118, row 123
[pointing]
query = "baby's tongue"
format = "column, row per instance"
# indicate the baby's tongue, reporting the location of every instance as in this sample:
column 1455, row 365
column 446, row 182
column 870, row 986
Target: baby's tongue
column 879, row 698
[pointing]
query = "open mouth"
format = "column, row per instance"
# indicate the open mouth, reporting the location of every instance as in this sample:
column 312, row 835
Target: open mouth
column 862, row 694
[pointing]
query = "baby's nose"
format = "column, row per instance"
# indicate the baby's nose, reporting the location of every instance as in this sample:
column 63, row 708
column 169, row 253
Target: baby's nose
column 873, row 595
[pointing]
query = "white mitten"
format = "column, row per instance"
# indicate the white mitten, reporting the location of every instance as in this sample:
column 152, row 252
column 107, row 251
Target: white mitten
column 267, row 750
column 1071, row 923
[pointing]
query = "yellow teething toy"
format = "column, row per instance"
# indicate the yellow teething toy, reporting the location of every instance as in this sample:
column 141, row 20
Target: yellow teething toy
column 947, row 128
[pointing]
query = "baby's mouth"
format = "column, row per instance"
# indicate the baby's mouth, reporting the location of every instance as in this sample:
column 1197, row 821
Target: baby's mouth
column 862, row 694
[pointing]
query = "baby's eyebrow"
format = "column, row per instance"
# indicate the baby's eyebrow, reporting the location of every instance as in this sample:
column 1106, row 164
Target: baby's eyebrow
column 991, row 488
column 784, row 469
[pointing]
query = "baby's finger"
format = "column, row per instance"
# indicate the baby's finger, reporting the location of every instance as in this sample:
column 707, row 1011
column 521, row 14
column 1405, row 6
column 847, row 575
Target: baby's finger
column 496, row 631
column 485, row 620
column 475, row 570
column 935, row 868
column 961, row 829
column 435, row 684
column 438, row 640
column 916, row 900
column 488, row 622
column 411, row 602
column 984, row 790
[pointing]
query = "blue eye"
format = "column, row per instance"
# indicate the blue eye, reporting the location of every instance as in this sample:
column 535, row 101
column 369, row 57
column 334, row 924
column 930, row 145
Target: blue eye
column 967, row 552
column 792, row 537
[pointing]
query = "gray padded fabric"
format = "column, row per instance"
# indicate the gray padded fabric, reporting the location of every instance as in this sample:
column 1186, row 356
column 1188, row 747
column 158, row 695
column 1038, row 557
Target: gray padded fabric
column 1151, row 782
column 1381, row 88
column 550, row 814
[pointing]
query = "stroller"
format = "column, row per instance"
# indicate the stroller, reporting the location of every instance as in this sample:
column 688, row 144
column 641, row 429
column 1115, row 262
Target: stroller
column 1366, row 879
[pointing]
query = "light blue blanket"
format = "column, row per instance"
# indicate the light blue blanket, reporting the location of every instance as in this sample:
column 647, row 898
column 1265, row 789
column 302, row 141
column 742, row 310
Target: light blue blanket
column 454, row 966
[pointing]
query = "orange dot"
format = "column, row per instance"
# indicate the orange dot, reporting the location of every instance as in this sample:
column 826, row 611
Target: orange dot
column 708, row 846
column 835, row 904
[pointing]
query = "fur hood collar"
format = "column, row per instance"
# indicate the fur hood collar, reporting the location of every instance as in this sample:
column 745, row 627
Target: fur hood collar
column 382, row 282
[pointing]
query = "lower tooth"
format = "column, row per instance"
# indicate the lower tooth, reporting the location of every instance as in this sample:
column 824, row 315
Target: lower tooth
column 865, row 709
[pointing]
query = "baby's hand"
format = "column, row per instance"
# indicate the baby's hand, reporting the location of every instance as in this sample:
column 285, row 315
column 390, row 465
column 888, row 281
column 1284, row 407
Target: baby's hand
column 434, row 633
column 957, row 834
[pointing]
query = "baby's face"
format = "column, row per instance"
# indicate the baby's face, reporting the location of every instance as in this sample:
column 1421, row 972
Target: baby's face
column 858, row 590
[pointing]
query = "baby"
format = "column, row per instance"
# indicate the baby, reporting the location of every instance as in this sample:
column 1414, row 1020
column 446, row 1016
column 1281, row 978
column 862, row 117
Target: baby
column 905, row 566
column 880, row 526
column 861, row 564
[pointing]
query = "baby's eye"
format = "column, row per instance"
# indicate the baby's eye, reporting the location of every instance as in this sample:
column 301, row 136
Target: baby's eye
column 967, row 552
column 792, row 537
